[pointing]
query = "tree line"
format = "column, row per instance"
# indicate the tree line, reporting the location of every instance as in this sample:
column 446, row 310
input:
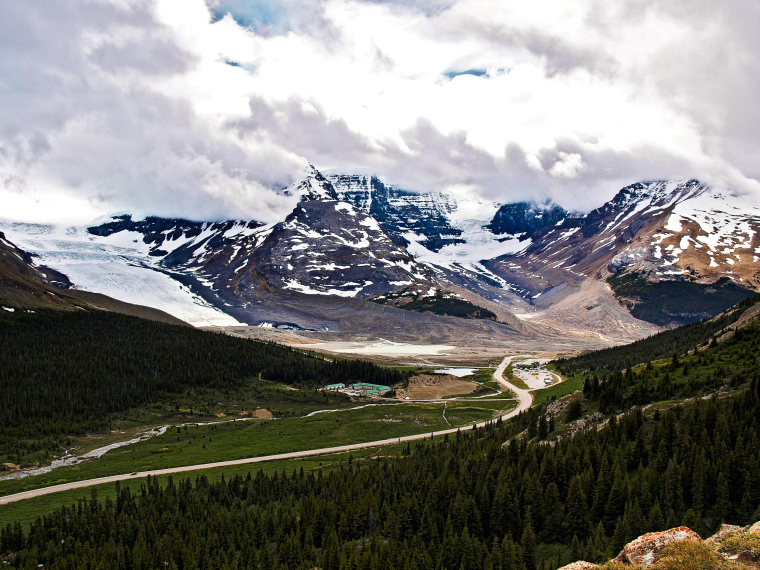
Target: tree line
column 658, row 346
column 63, row 373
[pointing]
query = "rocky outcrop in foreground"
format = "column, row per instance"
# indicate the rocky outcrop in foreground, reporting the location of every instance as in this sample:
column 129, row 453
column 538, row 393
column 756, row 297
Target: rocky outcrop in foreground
column 643, row 551
column 681, row 548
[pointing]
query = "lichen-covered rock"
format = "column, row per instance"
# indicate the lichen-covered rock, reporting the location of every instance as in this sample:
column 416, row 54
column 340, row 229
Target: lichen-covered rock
column 723, row 533
column 644, row 550
column 755, row 527
column 580, row 565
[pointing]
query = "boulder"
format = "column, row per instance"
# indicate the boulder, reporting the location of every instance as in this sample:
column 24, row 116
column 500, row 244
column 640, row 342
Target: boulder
column 755, row 527
column 723, row 533
column 580, row 565
column 745, row 557
column 645, row 549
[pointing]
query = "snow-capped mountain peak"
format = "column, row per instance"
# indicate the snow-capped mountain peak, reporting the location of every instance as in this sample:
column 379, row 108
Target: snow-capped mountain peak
column 353, row 236
column 314, row 186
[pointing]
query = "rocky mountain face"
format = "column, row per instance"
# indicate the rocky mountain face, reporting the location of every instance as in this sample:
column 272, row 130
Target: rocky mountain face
column 661, row 245
column 582, row 246
column 314, row 186
column 401, row 213
column 330, row 247
column 526, row 219
column 679, row 548
column 659, row 252
column 179, row 242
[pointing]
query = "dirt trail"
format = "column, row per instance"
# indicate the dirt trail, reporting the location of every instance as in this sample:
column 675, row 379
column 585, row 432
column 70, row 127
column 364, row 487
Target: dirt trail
column 524, row 398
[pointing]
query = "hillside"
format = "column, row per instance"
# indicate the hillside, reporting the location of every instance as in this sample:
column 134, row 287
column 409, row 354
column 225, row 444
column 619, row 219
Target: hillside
column 497, row 498
column 24, row 285
column 435, row 301
column 666, row 302
column 661, row 345
column 65, row 372
column 466, row 503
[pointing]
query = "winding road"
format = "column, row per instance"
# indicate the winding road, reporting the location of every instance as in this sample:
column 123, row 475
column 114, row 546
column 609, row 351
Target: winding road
column 524, row 401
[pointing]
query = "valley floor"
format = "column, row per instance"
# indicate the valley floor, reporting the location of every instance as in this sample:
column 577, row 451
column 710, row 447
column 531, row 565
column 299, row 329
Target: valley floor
column 468, row 351
column 460, row 413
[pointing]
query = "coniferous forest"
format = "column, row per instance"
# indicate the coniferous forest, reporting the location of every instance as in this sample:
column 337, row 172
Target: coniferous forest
column 470, row 502
column 530, row 494
column 63, row 373
column 612, row 382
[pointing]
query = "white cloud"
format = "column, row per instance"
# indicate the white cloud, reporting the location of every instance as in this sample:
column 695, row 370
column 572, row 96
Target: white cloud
column 178, row 107
column 568, row 165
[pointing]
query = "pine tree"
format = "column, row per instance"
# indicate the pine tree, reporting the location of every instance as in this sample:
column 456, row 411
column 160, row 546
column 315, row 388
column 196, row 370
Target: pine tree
column 656, row 522
column 553, row 513
column 577, row 510
column 723, row 506
column 529, row 547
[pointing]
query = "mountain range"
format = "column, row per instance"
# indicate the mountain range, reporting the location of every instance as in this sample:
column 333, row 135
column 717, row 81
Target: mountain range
column 360, row 258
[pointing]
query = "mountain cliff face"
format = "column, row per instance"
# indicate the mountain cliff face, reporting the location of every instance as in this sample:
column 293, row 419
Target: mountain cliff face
column 401, row 212
column 580, row 247
column 704, row 236
column 179, row 242
column 327, row 247
column 659, row 251
column 526, row 219
column 314, row 186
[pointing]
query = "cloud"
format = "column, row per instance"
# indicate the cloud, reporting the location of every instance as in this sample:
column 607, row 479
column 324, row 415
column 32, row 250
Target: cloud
column 108, row 112
column 568, row 165
column 206, row 109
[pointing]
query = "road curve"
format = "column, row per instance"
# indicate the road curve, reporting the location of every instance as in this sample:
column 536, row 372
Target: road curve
column 524, row 398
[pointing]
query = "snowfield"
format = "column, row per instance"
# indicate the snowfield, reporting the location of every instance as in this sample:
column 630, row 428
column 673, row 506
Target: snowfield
column 118, row 266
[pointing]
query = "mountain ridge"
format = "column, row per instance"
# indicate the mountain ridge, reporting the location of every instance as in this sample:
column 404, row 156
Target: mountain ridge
column 353, row 236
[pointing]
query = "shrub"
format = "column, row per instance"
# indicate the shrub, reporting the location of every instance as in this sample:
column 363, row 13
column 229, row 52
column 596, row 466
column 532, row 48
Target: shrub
column 691, row 555
column 742, row 542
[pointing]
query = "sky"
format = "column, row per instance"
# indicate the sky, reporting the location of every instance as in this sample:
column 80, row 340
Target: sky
column 207, row 109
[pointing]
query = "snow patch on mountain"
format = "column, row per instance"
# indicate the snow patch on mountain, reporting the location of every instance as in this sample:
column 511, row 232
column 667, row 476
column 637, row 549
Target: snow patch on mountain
column 437, row 230
column 118, row 265
column 294, row 285
column 711, row 223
